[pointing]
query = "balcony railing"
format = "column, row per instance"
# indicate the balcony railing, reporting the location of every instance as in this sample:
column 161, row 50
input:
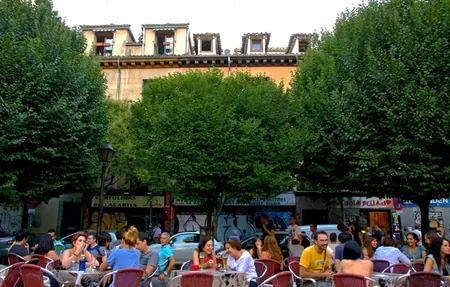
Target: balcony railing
column 164, row 48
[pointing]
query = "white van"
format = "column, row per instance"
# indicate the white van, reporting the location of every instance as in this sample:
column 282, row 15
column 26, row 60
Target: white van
column 328, row 228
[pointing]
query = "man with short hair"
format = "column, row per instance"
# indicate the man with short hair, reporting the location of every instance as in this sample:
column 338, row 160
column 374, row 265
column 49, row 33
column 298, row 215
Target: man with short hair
column 267, row 227
column 315, row 260
column 294, row 231
column 52, row 233
column 104, row 240
column 20, row 246
column 313, row 229
column 149, row 258
column 92, row 246
column 390, row 252
column 166, row 262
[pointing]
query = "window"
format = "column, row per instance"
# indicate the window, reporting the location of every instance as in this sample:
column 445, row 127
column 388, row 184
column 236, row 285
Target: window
column 302, row 45
column 186, row 238
column 104, row 44
column 206, row 46
column 256, row 45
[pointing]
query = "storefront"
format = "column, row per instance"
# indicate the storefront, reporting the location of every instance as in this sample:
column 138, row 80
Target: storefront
column 243, row 218
column 121, row 211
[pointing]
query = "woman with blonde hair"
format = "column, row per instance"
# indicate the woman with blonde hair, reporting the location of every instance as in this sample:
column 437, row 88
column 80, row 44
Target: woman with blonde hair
column 271, row 250
column 126, row 256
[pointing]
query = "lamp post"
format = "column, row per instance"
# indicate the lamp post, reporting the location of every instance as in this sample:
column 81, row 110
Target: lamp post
column 105, row 155
column 150, row 193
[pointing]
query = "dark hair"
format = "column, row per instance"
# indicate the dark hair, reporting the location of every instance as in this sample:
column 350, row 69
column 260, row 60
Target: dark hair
column 435, row 250
column 416, row 238
column 341, row 227
column 45, row 245
column 344, row 237
column 103, row 238
column 202, row 242
column 352, row 250
column 264, row 216
column 316, row 234
column 21, row 234
column 143, row 236
column 93, row 234
column 234, row 243
column 314, row 224
column 119, row 234
column 388, row 241
column 253, row 247
column 368, row 245
column 295, row 241
column 432, row 235
column 333, row 236
column 51, row 230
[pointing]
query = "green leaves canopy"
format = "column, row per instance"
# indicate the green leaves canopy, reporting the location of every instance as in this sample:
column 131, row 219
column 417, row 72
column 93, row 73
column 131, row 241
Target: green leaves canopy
column 52, row 105
column 211, row 138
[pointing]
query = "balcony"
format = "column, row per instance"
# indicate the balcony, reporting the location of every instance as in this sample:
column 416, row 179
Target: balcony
column 164, row 48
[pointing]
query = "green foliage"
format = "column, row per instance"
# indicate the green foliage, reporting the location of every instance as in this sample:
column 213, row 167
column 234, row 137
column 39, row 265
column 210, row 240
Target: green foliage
column 212, row 138
column 52, row 105
column 376, row 91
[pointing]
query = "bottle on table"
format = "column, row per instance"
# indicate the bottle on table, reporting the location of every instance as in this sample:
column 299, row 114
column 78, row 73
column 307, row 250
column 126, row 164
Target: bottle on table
column 82, row 266
column 73, row 265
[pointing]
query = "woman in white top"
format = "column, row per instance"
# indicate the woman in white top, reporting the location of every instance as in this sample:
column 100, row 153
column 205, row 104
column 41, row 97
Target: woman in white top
column 240, row 260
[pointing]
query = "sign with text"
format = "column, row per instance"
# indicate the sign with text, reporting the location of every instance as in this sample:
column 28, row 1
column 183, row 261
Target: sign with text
column 367, row 203
column 433, row 202
column 129, row 201
column 284, row 199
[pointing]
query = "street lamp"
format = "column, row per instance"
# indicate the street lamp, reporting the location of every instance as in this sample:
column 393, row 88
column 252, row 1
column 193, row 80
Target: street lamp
column 105, row 155
column 150, row 193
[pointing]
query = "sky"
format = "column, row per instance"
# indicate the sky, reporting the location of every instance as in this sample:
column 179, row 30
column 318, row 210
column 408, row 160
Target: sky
column 230, row 18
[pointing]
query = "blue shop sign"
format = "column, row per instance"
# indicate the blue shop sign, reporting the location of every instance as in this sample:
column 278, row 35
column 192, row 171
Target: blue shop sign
column 433, row 202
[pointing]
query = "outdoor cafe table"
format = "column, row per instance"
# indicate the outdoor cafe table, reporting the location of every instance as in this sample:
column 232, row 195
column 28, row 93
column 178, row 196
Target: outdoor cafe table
column 388, row 279
column 225, row 278
column 80, row 279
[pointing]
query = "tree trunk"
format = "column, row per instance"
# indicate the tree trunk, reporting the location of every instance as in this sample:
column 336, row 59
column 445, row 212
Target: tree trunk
column 424, row 205
column 341, row 204
column 209, row 212
column 86, row 209
column 217, row 211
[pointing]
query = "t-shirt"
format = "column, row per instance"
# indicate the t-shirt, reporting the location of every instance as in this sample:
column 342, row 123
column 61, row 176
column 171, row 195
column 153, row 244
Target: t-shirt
column 19, row 250
column 149, row 259
column 314, row 261
column 165, row 252
column 269, row 227
column 294, row 232
column 95, row 251
column 416, row 255
column 123, row 258
column 244, row 264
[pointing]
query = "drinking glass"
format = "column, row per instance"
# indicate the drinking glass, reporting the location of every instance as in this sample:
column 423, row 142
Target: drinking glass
column 202, row 258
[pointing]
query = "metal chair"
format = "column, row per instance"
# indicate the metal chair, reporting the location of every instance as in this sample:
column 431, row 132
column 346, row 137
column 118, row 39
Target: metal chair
column 380, row 264
column 283, row 278
column 418, row 266
column 53, row 265
column 148, row 278
column 33, row 276
column 353, row 280
column 130, row 277
column 273, row 267
column 294, row 268
column 193, row 279
column 398, row 268
column 186, row 265
column 425, row 279
column 12, row 275
column 261, row 270
column 43, row 260
column 14, row 258
column 289, row 259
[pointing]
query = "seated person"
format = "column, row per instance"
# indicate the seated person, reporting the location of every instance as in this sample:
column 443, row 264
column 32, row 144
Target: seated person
column 92, row 246
column 389, row 252
column 438, row 258
column 271, row 250
column 255, row 249
column 413, row 250
column 339, row 251
column 20, row 246
column 240, row 260
column 104, row 240
column 370, row 245
column 352, row 262
column 45, row 247
column 149, row 258
column 78, row 249
column 205, row 246
column 296, row 249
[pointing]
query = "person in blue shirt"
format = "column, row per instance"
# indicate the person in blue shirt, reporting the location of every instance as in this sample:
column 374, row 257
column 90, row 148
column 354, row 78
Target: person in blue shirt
column 166, row 262
column 125, row 257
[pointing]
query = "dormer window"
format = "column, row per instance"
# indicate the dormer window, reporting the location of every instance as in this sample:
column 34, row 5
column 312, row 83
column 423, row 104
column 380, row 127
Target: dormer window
column 256, row 45
column 104, row 44
column 302, row 45
column 206, row 45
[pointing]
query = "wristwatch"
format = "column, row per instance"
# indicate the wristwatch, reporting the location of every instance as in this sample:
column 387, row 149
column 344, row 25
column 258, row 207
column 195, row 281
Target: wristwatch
column 165, row 273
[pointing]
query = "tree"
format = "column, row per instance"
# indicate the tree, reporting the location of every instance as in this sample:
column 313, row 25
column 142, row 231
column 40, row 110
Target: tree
column 52, row 105
column 381, row 79
column 210, row 138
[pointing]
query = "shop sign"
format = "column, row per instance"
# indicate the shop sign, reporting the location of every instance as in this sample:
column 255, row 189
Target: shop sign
column 433, row 202
column 284, row 199
column 367, row 203
column 129, row 201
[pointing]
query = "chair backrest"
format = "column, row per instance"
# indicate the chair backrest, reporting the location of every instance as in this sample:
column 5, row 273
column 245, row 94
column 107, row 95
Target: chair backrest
column 273, row 267
column 130, row 277
column 32, row 275
column 260, row 268
column 424, row 279
column 186, row 265
column 418, row 266
column 197, row 279
column 294, row 267
column 347, row 279
column 401, row 268
column 280, row 279
column 12, row 275
column 54, row 265
column 290, row 259
column 380, row 264
column 14, row 258
column 43, row 260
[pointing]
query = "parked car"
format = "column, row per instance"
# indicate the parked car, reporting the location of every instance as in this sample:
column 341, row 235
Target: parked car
column 328, row 228
column 66, row 241
column 6, row 239
column 183, row 245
